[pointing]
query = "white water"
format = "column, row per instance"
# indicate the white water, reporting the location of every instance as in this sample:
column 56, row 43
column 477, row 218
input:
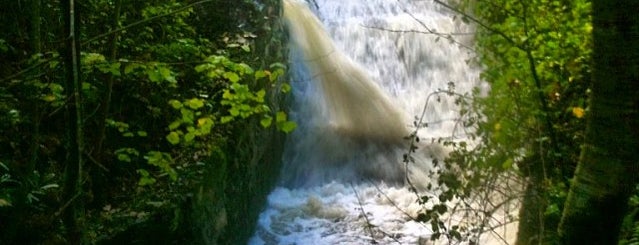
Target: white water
column 355, row 97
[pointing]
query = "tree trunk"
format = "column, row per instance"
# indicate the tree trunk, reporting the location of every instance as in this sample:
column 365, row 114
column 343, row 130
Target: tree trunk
column 72, row 205
column 609, row 162
column 35, row 45
column 531, row 215
column 106, row 101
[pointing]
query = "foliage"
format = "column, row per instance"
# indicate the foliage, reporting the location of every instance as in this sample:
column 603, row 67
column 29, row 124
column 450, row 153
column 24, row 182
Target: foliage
column 164, row 99
column 535, row 55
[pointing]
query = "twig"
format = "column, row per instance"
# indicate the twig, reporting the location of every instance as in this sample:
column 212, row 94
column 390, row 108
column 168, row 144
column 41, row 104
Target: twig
column 65, row 206
column 45, row 61
column 433, row 31
column 139, row 22
column 96, row 162
column 419, row 32
column 485, row 26
column 368, row 222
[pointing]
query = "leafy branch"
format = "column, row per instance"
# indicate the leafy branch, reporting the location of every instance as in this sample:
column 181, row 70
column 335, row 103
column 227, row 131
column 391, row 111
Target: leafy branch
column 103, row 35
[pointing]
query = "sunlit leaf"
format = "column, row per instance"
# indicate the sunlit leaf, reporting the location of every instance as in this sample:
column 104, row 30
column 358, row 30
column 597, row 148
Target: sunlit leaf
column 232, row 76
column 578, row 112
column 266, row 121
column 286, row 88
column 280, row 116
column 226, row 119
column 188, row 137
column 173, row 138
column 175, row 125
column 287, row 127
column 4, row 203
column 507, row 164
column 195, row 103
column 260, row 74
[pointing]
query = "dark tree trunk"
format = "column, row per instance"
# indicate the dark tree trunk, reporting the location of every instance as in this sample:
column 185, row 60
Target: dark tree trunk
column 609, row 164
column 72, row 206
column 531, row 215
column 106, row 100
column 35, row 45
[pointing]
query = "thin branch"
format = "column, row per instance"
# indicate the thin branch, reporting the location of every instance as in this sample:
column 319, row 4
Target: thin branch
column 429, row 30
column 65, row 206
column 419, row 32
column 28, row 69
column 482, row 24
column 144, row 21
column 91, row 159
column 103, row 35
column 368, row 222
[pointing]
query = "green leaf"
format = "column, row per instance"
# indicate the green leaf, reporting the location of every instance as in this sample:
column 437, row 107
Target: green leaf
column 124, row 157
column 507, row 164
column 175, row 125
column 195, row 103
column 4, row 203
column 86, row 86
column 153, row 75
column 145, row 178
column 266, row 121
column 3, row 166
column 49, row 186
column 260, row 74
column 234, row 111
column 203, row 67
column 287, row 127
column 187, row 115
column 226, row 119
column 188, row 137
column 244, row 69
column 286, row 88
column 280, row 117
column 246, row 48
column 114, row 69
column 173, row 138
column 259, row 96
column 164, row 72
column 92, row 58
column 175, row 104
column 278, row 65
column 232, row 76
column 132, row 67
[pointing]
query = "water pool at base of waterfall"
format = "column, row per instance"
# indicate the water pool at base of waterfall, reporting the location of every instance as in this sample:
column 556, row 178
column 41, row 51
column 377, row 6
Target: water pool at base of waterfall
column 367, row 213
column 334, row 214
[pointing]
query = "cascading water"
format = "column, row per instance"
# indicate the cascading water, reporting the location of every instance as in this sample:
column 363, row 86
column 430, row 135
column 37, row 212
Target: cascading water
column 361, row 72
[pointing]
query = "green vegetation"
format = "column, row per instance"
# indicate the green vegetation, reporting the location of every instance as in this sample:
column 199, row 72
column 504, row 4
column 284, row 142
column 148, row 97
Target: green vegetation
column 139, row 122
column 133, row 121
column 537, row 58
column 549, row 78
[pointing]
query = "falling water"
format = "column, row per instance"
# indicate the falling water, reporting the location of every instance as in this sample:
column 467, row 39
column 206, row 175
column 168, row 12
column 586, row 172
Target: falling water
column 362, row 70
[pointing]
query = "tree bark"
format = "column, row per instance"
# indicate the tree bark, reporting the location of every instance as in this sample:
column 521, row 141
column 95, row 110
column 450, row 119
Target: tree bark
column 106, row 101
column 35, row 45
column 73, row 211
column 609, row 163
column 531, row 225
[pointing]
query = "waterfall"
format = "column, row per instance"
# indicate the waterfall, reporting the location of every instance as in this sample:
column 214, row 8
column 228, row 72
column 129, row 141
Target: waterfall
column 361, row 71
